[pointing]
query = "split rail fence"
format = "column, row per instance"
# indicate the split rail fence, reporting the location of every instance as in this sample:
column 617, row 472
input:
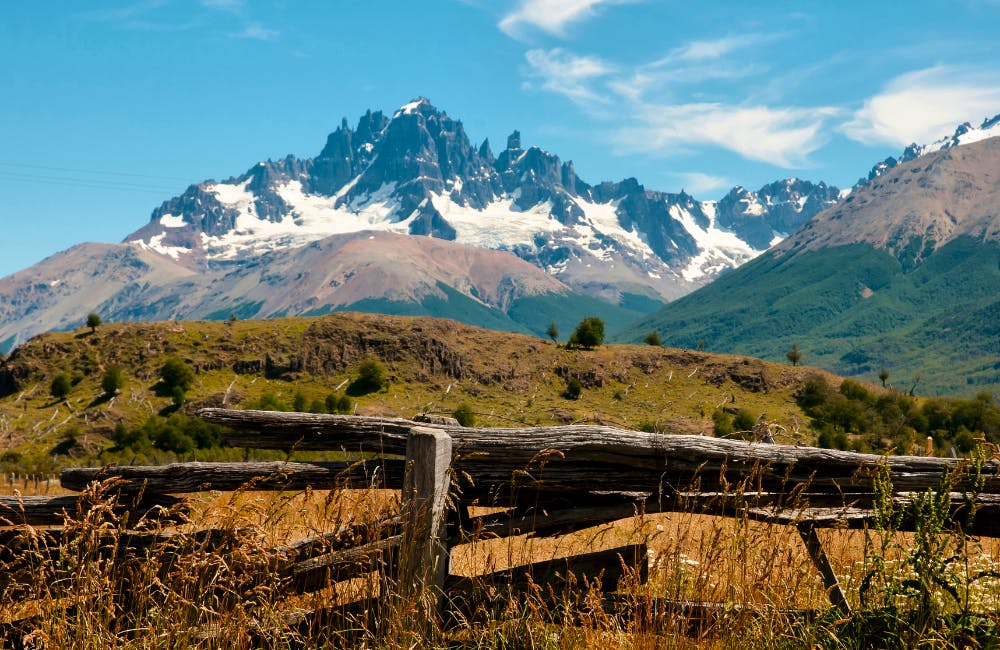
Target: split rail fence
column 539, row 481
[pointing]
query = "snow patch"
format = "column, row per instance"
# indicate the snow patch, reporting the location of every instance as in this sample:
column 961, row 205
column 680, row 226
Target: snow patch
column 500, row 225
column 156, row 244
column 172, row 221
column 311, row 217
column 720, row 249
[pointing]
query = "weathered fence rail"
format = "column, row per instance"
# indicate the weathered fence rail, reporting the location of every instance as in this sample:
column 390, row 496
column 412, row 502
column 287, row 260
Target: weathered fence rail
column 541, row 479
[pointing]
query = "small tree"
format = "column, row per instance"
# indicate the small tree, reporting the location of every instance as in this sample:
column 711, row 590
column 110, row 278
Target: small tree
column 589, row 333
column 93, row 321
column 653, row 338
column 112, row 381
column 573, row 389
column 552, row 331
column 176, row 378
column 883, row 375
column 371, row 378
column 61, row 385
column 464, row 415
column 794, row 355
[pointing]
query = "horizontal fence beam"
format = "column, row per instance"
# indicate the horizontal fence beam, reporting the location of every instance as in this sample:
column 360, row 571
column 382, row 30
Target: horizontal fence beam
column 178, row 478
column 53, row 511
column 642, row 460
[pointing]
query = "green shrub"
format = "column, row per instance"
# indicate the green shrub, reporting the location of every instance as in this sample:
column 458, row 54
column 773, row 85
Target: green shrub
column 371, row 378
column 464, row 415
column 113, row 380
column 722, row 423
column 61, row 386
column 744, row 420
column 573, row 389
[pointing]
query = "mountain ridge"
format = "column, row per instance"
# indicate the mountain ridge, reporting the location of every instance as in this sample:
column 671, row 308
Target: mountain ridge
column 904, row 274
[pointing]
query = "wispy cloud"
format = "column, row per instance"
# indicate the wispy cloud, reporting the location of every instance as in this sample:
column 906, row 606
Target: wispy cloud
column 781, row 136
column 257, row 32
column 652, row 116
column 551, row 16
column 925, row 105
column 567, row 74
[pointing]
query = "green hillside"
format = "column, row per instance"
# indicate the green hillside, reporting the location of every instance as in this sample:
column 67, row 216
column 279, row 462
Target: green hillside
column 854, row 310
column 430, row 364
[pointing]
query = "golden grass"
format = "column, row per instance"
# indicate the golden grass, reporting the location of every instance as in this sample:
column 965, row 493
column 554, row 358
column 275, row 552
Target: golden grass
column 201, row 599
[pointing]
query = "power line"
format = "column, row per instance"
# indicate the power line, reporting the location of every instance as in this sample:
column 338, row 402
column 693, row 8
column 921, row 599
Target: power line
column 87, row 183
column 93, row 171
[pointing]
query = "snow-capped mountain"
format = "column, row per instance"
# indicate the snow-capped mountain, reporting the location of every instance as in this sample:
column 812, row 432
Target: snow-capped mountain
column 417, row 173
column 964, row 134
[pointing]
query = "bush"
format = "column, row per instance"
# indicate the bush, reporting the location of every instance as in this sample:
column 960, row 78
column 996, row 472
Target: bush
column 573, row 389
column 722, row 423
column 340, row 404
column 744, row 420
column 589, row 333
column 176, row 374
column 268, row 402
column 653, row 338
column 371, row 378
column 112, row 381
column 464, row 415
column 61, row 386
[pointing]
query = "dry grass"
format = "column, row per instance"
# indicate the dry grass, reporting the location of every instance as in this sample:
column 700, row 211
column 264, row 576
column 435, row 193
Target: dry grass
column 188, row 595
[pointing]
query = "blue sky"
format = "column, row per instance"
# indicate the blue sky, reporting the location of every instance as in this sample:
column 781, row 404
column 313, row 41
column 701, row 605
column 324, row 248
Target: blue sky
column 109, row 108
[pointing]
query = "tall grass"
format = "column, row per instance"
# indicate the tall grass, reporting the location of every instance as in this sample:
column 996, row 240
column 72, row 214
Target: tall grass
column 108, row 580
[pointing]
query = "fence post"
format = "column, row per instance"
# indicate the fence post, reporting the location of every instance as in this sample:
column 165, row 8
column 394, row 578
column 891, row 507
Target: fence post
column 815, row 549
column 423, row 562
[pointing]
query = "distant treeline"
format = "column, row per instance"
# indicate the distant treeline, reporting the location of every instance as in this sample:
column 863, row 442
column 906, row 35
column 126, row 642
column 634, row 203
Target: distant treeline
column 854, row 417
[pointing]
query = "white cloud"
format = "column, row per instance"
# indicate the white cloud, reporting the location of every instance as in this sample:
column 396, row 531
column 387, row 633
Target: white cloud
column 552, row 16
column 257, row 32
column 925, row 105
column 567, row 74
column 700, row 183
column 780, row 136
column 716, row 48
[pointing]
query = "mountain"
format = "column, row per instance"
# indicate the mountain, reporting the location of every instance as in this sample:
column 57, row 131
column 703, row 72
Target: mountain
column 365, row 271
column 248, row 244
column 965, row 133
column 903, row 274
column 418, row 173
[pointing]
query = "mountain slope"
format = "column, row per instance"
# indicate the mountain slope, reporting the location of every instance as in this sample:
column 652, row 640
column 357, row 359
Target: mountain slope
column 364, row 271
column 904, row 274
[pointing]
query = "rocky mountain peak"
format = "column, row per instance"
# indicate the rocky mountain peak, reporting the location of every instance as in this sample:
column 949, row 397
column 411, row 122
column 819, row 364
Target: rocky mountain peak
column 917, row 206
column 964, row 134
column 417, row 172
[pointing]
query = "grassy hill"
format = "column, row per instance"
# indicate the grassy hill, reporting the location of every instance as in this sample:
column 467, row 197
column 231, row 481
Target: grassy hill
column 431, row 365
column 855, row 310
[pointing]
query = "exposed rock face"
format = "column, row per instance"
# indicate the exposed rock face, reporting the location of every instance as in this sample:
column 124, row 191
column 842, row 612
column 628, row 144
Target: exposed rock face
column 775, row 210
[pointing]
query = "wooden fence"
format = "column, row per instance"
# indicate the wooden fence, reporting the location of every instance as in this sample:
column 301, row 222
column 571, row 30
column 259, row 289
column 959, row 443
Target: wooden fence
column 542, row 478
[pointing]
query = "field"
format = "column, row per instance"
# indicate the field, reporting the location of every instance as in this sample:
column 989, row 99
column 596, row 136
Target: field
column 937, row 588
